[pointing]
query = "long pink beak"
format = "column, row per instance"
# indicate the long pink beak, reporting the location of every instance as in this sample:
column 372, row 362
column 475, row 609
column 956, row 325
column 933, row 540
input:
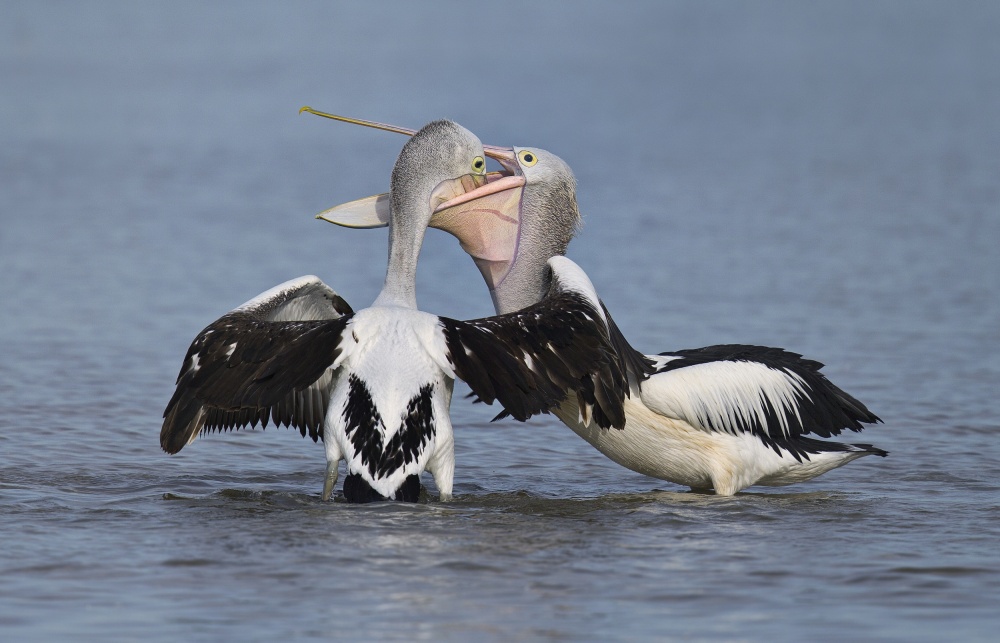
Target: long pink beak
column 505, row 155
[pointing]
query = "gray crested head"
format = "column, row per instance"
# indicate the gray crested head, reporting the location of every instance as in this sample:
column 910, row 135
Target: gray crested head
column 550, row 213
column 439, row 151
column 550, row 218
column 433, row 167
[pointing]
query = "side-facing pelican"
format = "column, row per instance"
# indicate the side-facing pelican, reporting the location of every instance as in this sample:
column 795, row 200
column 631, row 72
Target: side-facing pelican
column 718, row 418
column 376, row 384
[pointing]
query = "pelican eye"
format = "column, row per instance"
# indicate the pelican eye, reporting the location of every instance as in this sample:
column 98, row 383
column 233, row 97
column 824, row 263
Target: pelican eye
column 478, row 164
column 527, row 158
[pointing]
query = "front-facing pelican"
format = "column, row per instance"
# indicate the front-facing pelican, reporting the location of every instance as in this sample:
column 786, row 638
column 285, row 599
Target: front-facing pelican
column 718, row 418
column 376, row 384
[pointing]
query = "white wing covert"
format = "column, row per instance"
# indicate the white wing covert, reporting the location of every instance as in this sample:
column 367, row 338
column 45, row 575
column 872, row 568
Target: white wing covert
column 735, row 388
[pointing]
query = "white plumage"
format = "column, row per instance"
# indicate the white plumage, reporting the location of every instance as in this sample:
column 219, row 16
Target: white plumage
column 718, row 418
column 398, row 355
column 376, row 385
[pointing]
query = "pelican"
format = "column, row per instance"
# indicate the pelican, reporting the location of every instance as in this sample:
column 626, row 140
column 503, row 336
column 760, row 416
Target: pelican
column 716, row 419
column 376, row 384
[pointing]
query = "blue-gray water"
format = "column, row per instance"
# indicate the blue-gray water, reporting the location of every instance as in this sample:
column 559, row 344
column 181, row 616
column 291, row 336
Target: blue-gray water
column 823, row 177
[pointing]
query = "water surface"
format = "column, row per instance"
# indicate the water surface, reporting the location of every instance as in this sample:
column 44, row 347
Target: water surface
column 821, row 178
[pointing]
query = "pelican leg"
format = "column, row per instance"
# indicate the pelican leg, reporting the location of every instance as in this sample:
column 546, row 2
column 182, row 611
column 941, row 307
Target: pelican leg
column 442, row 467
column 330, row 480
column 444, row 485
column 333, row 457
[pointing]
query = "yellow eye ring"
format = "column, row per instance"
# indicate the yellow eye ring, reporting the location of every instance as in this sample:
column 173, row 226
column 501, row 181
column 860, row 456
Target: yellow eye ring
column 478, row 165
column 527, row 158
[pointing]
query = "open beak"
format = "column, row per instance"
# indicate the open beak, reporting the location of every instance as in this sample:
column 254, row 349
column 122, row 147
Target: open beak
column 485, row 218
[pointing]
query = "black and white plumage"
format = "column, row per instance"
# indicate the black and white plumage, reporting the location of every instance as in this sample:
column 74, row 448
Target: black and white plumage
column 771, row 393
column 718, row 418
column 227, row 379
column 376, row 384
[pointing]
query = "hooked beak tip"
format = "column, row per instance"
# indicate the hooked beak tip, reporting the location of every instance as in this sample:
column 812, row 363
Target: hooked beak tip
column 499, row 153
column 503, row 155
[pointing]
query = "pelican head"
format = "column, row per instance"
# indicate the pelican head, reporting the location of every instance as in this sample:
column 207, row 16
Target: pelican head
column 541, row 215
column 510, row 226
column 438, row 166
column 439, row 163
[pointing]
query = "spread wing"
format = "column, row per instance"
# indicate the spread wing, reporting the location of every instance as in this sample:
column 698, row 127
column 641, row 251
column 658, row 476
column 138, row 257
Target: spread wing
column 637, row 366
column 531, row 360
column 270, row 358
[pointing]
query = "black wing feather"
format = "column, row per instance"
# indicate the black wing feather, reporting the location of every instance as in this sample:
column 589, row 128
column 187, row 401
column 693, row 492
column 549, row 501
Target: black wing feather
column 826, row 411
column 532, row 359
column 241, row 369
column 631, row 361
